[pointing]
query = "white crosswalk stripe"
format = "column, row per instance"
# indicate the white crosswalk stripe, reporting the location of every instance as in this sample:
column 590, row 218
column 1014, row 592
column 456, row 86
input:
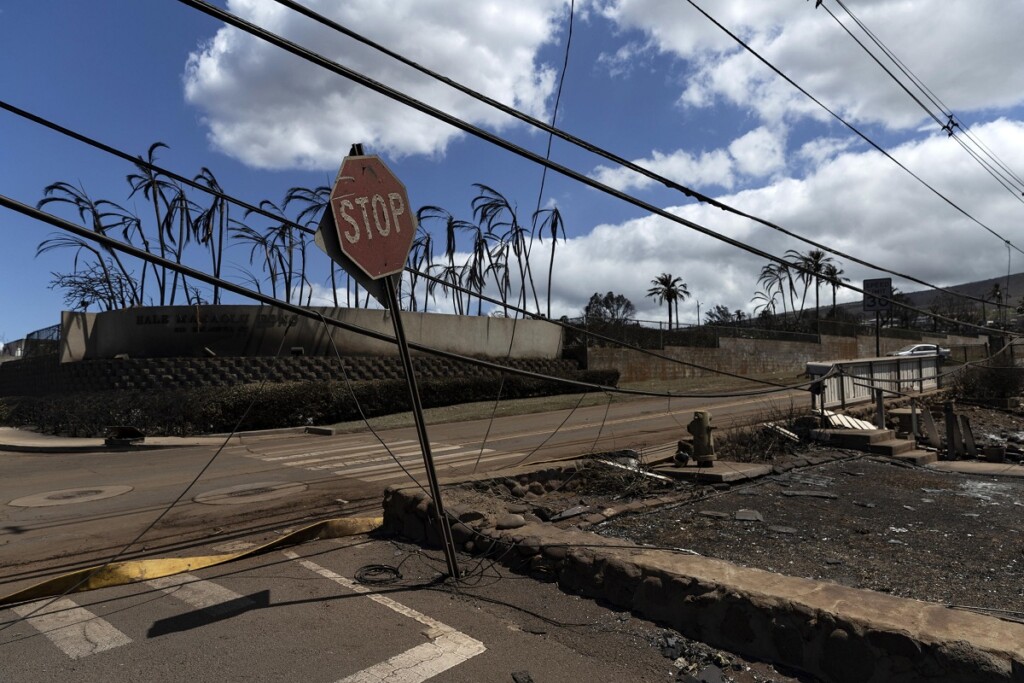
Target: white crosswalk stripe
column 204, row 595
column 370, row 461
column 75, row 630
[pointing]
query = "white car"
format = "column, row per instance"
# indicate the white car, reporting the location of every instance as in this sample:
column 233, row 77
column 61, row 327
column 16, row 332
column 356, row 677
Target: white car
column 922, row 350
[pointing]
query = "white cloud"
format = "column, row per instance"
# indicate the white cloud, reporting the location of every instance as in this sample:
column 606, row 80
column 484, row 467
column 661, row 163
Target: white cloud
column 757, row 153
column 856, row 201
column 819, row 150
column 950, row 45
column 273, row 110
column 709, row 168
column 760, row 152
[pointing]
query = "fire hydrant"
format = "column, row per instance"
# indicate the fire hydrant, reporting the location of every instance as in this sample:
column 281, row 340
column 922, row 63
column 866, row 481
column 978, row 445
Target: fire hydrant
column 703, row 443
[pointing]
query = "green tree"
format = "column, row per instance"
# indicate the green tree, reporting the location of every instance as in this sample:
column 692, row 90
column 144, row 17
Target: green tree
column 811, row 272
column 834, row 277
column 669, row 290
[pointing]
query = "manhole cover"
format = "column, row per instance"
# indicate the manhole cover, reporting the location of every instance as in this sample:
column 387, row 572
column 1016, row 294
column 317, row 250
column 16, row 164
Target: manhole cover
column 69, row 496
column 250, row 493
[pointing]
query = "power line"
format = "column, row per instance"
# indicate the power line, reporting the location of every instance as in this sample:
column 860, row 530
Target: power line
column 255, row 209
column 139, row 161
column 403, row 98
column 846, row 123
column 951, row 122
column 949, row 125
column 551, row 129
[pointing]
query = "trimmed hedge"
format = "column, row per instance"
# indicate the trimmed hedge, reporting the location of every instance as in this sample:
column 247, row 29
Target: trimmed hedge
column 253, row 406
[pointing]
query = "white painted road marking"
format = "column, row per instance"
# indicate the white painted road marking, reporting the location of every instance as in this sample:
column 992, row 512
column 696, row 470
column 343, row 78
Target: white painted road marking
column 371, row 458
column 75, row 630
column 198, row 593
column 448, row 648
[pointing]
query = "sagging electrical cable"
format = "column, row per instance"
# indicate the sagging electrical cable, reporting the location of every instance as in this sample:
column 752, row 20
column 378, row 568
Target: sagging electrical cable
column 418, row 105
column 848, row 125
column 140, row 162
column 594, row 149
column 995, row 166
column 948, row 126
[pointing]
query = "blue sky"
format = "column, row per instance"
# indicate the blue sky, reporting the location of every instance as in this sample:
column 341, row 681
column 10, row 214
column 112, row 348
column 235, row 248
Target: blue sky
column 651, row 81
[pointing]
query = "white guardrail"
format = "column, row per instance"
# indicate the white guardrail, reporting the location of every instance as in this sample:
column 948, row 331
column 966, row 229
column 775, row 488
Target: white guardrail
column 853, row 381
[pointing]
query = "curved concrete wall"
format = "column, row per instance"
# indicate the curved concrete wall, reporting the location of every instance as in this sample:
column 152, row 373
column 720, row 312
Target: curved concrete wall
column 188, row 331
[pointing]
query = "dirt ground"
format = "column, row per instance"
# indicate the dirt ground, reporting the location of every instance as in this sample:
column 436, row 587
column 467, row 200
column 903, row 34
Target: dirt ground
column 863, row 521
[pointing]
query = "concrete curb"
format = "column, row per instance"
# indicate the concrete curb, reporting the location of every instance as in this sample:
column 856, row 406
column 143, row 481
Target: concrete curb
column 830, row 631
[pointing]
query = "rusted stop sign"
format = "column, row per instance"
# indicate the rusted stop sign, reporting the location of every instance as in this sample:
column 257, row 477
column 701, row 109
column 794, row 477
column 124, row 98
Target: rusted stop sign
column 372, row 216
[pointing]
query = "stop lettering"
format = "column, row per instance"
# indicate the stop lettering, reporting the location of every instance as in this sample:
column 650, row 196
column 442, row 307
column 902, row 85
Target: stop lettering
column 371, row 214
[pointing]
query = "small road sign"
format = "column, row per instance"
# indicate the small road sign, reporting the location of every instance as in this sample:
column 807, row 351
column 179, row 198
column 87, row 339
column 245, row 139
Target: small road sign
column 374, row 222
column 878, row 294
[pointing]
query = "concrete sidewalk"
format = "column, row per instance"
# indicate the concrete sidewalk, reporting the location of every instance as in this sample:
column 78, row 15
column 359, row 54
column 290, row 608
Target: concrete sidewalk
column 17, row 440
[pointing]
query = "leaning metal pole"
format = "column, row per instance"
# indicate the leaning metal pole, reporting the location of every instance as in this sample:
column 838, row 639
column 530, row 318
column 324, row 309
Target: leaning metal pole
column 421, row 429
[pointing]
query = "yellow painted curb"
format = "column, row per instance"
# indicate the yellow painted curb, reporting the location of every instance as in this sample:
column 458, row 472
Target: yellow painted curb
column 121, row 573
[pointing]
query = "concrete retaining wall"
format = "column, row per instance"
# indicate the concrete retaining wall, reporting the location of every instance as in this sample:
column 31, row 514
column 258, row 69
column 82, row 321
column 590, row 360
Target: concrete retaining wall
column 188, row 331
column 830, row 631
column 760, row 356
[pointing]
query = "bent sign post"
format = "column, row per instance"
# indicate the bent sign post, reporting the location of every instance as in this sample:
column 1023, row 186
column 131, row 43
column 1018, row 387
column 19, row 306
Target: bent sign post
column 368, row 230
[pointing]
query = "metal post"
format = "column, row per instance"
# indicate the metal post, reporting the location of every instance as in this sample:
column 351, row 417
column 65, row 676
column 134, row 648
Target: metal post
column 421, row 429
column 913, row 419
column 879, row 409
column 950, row 415
column 878, row 334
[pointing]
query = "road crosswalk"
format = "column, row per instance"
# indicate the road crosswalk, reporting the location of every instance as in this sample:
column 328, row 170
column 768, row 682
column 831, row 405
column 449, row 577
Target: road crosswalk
column 363, row 457
column 78, row 632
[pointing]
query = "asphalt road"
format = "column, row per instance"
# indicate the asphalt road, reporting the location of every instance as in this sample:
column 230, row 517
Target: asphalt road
column 299, row 615
column 63, row 511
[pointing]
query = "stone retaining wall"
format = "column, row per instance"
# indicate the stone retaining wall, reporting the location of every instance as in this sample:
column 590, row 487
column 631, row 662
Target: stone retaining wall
column 45, row 375
column 830, row 631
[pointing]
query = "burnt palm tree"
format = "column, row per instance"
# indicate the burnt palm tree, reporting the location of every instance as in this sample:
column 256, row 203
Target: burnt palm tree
column 211, row 225
column 312, row 203
column 287, row 248
column 180, row 214
column 493, row 211
column 766, row 301
column 774, row 278
column 97, row 216
column 552, row 221
column 260, row 245
column 451, row 272
column 155, row 188
column 421, row 258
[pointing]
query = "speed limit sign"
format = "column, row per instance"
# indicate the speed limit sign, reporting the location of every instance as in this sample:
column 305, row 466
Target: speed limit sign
column 878, row 294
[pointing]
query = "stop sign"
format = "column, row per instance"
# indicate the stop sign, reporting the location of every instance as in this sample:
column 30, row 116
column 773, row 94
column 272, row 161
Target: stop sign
column 371, row 212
